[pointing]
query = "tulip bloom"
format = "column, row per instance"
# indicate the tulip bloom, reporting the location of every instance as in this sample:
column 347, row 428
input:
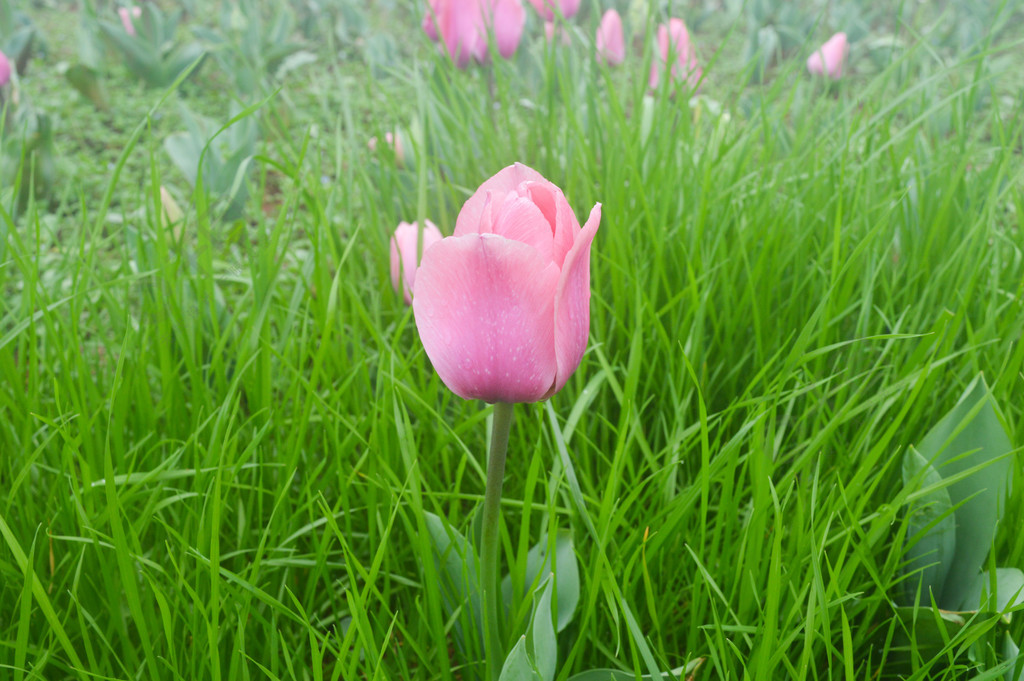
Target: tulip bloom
column 393, row 140
column 675, row 48
column 551, row 32
column 611, row 45
column 127, row 14
column 404, row 246
column 503, row 305
column 463, row 25
column 5, row 70
column 546, row 8
column 830, row 59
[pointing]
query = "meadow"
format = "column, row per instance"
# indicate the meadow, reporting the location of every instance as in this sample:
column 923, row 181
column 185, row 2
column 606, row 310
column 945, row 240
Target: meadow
column 225, row 454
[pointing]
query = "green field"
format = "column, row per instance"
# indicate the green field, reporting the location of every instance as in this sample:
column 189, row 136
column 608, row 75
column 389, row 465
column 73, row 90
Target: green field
column 221, row 440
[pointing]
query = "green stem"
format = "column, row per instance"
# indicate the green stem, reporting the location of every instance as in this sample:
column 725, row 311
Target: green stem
column 491, row 587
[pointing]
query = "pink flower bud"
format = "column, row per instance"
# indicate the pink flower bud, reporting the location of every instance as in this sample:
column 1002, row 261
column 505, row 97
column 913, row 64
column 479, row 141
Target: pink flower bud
column 830, row 59
column 675, row 49
column 551, row 31
column 127, row 14
column 462, row 26
column 404, row 245
column 429, row 24
column 5, row 70
column 546, row 8
column 611, row 45
column 503, row 305
column 393, row 140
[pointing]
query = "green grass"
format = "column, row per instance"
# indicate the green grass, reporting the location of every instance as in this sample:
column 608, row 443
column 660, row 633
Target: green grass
column 218, row 441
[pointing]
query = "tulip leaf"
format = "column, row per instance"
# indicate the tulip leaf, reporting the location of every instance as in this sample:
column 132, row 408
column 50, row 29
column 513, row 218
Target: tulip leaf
column 618, row 675
column 1009, row 594
column 931, row 532
column 139, row 58
column 184, row 150
column 517, row 665
column 84, row 79
column 180, row 60
column 541, row 633
column 294, row 61
column 1012, row 652
column 926, row 633
column 566, row 576
column 762, row 46
column 459, row 574
column 971, row 442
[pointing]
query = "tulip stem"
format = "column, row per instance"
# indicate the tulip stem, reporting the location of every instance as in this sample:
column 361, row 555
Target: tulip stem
column 489, row 536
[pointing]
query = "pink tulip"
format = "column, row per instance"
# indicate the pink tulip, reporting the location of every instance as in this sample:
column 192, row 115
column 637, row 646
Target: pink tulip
column 462, row 25
column 404, row 246
column 393, row 140
column 611, row 46
column 674, row 47
column 429, row 25
column 503, row 305
column 5, row 70
column 127, row 14
column 830, row 59
column 551, row 31
column 546, row 8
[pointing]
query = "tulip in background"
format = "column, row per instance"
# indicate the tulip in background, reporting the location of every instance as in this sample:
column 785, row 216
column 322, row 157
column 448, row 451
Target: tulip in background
column 5, row 70
column 830, row 59
column 503, row 310
column 551, row 31
column 127, row 15
column 675, row 48
column 463, row 26
column 405, row 253
column 546, row 8
column 611, row 45
column 393, row 140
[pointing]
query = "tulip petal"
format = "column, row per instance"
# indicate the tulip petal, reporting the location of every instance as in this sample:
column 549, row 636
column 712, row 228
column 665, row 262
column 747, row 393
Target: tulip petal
column 572, row 303
column 564, row 227
column 484, row 308
column 5, row 69
column 460, row 28
column 429, row 23
column 830, row 58
column 521, row 220
column 404, row 248
column 509, row 19
column 506, row 180
column 610, row 42
column 544, row 8
column 570, row 8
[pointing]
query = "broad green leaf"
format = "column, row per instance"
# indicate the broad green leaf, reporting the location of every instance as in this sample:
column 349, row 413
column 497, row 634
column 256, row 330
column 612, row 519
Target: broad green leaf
column 763, row 46
column 459, row 573
column 294, row 61
column 969, row 436
column 517, row 665
column 618, row 675
column 184, row 150
column 1009, row 592
column 1012, row 652
column 925, row 633
column 541, row 634
column 18, row 47
column 931, row 532
column 566, row 572
column 139, row 58
column 84, row 79
column 181, row 59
